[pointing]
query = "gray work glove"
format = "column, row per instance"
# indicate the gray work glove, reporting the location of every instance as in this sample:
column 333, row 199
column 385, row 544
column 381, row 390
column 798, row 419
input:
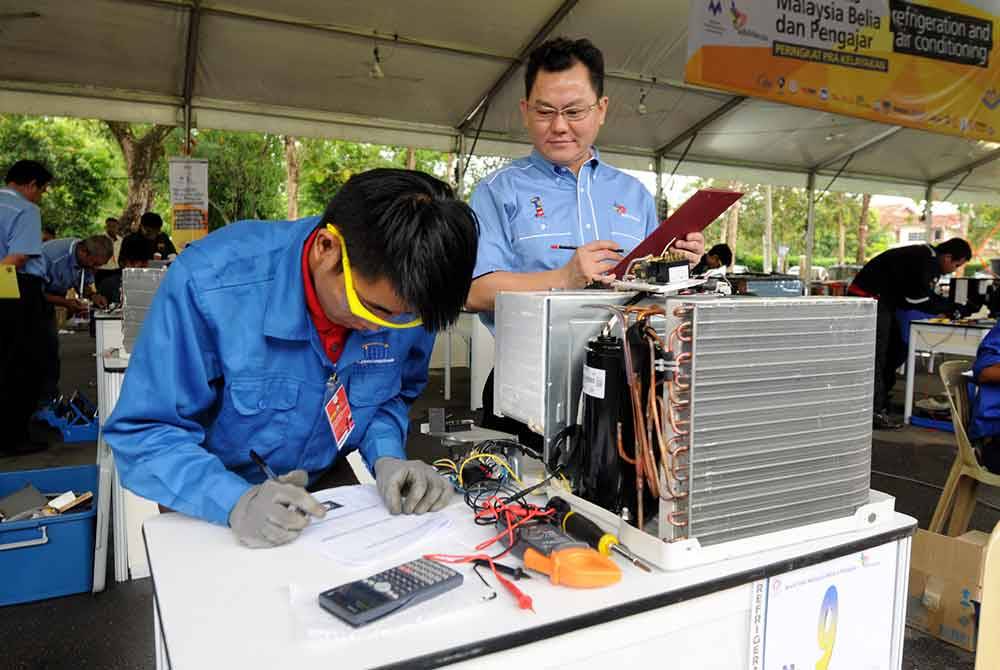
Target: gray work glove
column 422, row 487
column 274, row 512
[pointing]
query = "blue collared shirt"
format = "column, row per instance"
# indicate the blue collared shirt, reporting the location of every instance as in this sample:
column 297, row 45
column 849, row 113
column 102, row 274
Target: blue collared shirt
column 531, row 204
column 228, row 360
column 58, row 267
column 20, row 225
column 986, row 401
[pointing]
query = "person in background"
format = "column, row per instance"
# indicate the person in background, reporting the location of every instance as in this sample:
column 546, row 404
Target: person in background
column 562, row 194
column 48, row 234
column 903, row 278
column 22, row 318
column 113, row 230
column 151, row 227
column 302, row 341
column 64, row 264
column 136, row 252
column 718, row 257
column 984, row 423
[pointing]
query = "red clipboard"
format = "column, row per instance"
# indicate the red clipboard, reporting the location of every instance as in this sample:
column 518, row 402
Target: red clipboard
column 693, row 216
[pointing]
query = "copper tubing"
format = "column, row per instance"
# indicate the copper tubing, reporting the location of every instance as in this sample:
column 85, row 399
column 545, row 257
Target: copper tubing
column 681, row 312
column 621, row 448
column 679, row 334
column 666, row 459
column 674, row 464
column 674, row 522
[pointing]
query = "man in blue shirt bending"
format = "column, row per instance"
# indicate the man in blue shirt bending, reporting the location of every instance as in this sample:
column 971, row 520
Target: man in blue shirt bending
column 21, row 319
column 301, row 341
column 66, row 263
column 562, row 194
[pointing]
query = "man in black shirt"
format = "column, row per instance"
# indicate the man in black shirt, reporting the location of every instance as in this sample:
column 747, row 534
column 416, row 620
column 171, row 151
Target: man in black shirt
column 136, row 252
column 903, row 278
column 151, row 227
column 719, row 256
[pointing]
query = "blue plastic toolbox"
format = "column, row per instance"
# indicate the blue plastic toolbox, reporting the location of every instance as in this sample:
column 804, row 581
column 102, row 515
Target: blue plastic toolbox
column 52, row 556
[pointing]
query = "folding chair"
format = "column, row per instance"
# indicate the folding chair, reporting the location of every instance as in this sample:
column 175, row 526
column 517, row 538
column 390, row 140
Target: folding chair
column 958, row 500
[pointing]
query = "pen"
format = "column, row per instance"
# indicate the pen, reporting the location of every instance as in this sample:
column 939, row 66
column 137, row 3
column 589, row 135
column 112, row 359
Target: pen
column 268, row 472
column 572, row 248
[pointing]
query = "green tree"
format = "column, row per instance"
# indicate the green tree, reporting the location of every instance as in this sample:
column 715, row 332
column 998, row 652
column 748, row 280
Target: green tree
column 246, row 175
column 88, row 171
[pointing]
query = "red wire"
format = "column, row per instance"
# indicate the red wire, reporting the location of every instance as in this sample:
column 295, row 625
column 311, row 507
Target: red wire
column 514, row 516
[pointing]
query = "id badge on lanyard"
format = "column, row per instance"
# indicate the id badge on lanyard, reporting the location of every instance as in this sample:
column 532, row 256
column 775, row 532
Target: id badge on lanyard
column 338, row 411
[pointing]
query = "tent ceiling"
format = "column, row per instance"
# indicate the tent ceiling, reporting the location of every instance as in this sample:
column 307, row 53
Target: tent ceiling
column 303, row 67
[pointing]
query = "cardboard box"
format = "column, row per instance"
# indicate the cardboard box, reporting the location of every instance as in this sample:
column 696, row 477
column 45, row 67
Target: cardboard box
column 945, row 579
column 978, row 539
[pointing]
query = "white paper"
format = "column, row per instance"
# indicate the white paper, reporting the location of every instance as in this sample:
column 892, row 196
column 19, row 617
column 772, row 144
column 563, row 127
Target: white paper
column 358, row 529
column 593, row 382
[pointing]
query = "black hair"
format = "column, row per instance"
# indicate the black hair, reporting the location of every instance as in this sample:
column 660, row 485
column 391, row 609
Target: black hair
column 723, row 253
column 51, row 231
column 151, row 220
column 561, row 54
column 25, row 172
column 408, row 227
column 957, row 247
column 111, row 218
column 135, row 247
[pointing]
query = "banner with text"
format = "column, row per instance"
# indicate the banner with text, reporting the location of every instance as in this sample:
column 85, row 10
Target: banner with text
column 928, row 65
column 188, row 199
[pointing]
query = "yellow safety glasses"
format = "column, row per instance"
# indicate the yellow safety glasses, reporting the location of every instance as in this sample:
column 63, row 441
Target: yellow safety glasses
column 357, row 307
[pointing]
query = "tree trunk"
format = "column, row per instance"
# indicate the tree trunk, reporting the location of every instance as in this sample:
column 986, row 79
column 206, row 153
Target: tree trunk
column 141, row 155
column 768, row 227
column 292, row 167
column 411, row 159
column 449, row 171
column 733, row 223
column 863, row 228
column 842, row 238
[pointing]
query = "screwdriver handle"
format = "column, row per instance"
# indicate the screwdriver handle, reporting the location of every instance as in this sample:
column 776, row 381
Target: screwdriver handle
column 581, row 528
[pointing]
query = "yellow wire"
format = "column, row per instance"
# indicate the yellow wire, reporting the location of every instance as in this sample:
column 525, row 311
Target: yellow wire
column 446, row 462
column 499, row 460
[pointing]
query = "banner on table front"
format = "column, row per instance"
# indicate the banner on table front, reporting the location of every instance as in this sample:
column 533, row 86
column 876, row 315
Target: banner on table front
column 188, row 199
column 929, row 65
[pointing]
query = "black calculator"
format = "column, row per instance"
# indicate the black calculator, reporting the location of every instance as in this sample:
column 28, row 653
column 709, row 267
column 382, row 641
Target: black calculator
column 366, row 600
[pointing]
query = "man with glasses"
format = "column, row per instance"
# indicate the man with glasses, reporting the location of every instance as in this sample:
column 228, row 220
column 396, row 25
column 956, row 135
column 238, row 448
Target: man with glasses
column 563, row 194
column 300, row 341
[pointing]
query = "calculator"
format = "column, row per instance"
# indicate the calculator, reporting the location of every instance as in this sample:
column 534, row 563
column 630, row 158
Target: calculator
column 366, row 600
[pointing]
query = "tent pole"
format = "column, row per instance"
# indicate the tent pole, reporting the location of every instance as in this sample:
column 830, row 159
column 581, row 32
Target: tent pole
column 929, row 213
column 805, row 271
column 662, row 208
column 460, row 166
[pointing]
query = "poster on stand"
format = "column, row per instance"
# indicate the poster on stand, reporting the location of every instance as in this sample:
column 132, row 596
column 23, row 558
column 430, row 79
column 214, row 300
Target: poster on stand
column 931, row 65
column 822, row 617
column 188, row 199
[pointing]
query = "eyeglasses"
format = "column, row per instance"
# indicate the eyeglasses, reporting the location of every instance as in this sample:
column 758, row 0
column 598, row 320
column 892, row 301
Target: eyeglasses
column 357, row 307
column 546, row 114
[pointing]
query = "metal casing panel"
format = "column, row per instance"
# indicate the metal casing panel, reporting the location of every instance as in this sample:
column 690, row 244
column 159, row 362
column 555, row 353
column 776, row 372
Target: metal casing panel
column 541, row 341
column 139, row 285
column 781, row 397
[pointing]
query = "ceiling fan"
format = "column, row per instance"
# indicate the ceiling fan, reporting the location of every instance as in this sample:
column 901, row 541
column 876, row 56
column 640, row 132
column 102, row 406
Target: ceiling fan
column 643, row 109
column 374, row 69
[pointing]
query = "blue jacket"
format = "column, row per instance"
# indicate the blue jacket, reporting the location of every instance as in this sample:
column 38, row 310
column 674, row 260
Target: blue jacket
column 986, row 401
column 228, row 360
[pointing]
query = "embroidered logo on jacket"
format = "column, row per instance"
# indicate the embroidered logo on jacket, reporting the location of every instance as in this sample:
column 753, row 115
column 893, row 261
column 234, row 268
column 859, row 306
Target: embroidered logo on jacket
column 537, row 202
column 375, row 353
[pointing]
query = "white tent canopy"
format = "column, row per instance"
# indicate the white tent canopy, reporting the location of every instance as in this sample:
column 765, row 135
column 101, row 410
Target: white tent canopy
column 303, row 67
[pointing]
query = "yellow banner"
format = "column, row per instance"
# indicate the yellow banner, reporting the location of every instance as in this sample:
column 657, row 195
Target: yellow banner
column 931, row 65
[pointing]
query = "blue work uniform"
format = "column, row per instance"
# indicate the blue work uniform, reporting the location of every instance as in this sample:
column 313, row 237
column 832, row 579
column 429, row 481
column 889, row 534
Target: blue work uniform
column 531, row 204
column 20, row 225
column 228, row 360
column 985, row 403
column 58, row 267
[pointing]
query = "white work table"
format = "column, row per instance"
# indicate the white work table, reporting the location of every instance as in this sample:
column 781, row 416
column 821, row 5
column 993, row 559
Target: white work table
column 218, row 604
column 961, row 339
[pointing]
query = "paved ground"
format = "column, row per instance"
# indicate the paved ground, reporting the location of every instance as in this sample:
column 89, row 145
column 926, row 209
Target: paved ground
column 113, row 630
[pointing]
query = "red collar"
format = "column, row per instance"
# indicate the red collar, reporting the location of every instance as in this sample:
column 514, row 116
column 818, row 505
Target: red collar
column 331, row 334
